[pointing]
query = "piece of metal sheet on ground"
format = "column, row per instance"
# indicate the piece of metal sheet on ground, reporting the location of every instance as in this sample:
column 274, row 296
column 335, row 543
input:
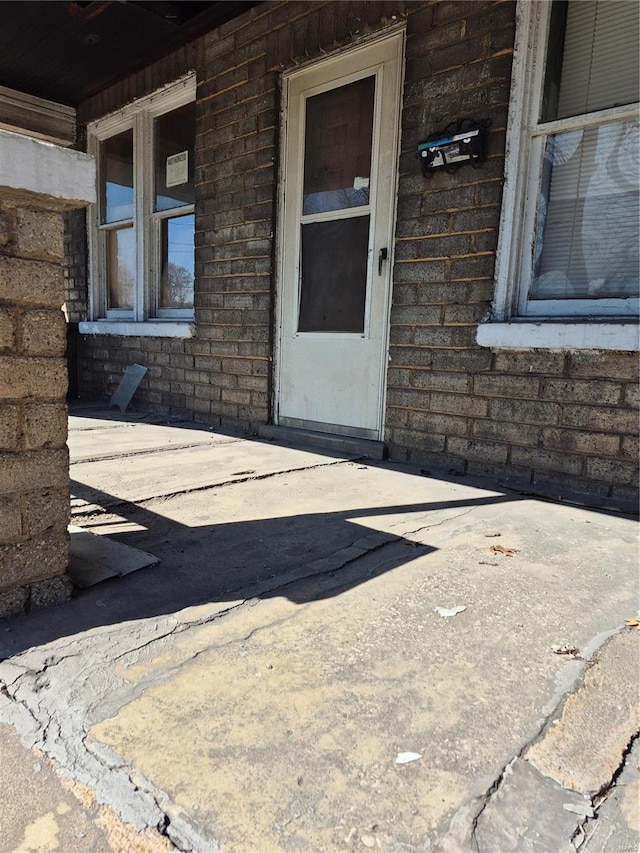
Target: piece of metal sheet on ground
column 128, row 386
column 94, row 558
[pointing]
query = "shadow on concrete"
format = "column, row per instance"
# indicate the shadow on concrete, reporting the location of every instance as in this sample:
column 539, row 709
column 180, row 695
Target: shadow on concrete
column 303, row 557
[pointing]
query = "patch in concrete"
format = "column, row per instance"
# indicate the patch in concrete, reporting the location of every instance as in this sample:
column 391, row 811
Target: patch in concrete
column 528, row 814
column 585, row 748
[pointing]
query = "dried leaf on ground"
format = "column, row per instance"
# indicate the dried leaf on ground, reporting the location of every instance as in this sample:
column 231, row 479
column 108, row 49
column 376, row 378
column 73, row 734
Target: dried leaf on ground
column 500, row 549
column 634, row 622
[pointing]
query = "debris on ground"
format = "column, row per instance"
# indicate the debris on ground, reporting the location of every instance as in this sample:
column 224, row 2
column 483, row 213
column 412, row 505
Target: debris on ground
column 407, row 757
column 585, row 810
column 500, row 549
column 453, row 611
column 568, row 651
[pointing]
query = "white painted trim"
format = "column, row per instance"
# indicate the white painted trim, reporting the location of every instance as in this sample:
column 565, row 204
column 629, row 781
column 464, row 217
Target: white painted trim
column 137, row 116
column 621, row 337
column 516, row 163
column 45, row 169
column 150, row 329
column 163, row 100
column 563, row 125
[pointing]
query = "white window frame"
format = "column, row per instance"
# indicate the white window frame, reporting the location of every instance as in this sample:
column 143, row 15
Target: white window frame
column 515, row 320
column 146, row 317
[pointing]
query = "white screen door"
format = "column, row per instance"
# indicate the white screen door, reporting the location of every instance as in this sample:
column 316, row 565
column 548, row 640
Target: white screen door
column 339, row 168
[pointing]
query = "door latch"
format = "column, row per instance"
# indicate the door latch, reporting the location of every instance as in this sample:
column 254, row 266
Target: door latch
column 383, row 254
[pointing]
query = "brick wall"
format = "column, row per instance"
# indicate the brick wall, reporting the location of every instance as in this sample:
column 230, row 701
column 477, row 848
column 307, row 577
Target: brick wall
column 223, row 375
column 34, row 466
column 562, row 424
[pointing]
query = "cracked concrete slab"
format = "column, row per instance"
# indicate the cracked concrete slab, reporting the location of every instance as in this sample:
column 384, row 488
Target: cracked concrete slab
column 52, row 821
column 43, row 813
column 252, row 692
column 586, row 746
column 135, row 439
column 528, row 813
column 134, row 477
column 617, row 828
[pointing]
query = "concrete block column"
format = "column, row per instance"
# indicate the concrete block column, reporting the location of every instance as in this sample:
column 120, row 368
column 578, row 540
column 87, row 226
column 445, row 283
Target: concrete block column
column 38, row 183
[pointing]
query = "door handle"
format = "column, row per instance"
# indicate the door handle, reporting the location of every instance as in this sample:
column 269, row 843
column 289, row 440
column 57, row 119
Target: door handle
column 383, row 254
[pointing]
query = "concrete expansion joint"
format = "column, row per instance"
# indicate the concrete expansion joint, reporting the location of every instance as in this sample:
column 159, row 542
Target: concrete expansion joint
column 118, row 503
column 148, row 451
column 435, row 523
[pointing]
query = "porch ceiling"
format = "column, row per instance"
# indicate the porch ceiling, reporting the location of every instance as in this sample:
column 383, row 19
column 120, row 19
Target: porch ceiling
column 68, row 51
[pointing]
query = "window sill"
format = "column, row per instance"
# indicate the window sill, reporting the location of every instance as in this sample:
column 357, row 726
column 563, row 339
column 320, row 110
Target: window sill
column 622, row 337
column 150, row 329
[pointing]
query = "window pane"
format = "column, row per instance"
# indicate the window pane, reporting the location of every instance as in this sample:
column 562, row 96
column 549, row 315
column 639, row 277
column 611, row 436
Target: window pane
column 117, row 177
column 589, row 216
column 600, row 61
column 334, row 275
column 175, row 134
column 553, row 70
column 337, row 155
column 176, row 281
column 121, row 265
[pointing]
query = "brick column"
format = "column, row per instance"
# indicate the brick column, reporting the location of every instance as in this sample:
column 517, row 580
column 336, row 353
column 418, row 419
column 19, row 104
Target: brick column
column 34, row 463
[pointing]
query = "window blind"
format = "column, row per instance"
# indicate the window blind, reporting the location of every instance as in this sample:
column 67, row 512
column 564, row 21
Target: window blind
column 589, row 214
column 600, row 67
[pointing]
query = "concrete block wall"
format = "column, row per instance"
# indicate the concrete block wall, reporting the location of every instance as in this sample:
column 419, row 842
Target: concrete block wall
column 34, row 464
column 563, row 424
column 75, row 266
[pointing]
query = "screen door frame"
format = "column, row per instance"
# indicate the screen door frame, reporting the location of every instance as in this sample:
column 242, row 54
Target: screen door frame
column 286, row 309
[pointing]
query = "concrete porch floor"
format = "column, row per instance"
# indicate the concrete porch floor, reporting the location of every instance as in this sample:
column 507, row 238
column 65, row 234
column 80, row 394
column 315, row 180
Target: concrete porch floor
column 254, row 690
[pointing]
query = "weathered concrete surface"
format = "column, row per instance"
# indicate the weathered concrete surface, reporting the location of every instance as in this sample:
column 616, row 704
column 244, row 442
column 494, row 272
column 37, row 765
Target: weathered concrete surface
column 36, row 812
column 528, row 813
column 194, row 466
column 570, row 770
column 252, row 692
column 42, row 813
column 617, row 828
column 578, row 752
column 146, row 437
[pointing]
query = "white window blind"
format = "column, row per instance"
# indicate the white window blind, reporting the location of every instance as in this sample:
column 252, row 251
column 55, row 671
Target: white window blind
column 600, row 65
